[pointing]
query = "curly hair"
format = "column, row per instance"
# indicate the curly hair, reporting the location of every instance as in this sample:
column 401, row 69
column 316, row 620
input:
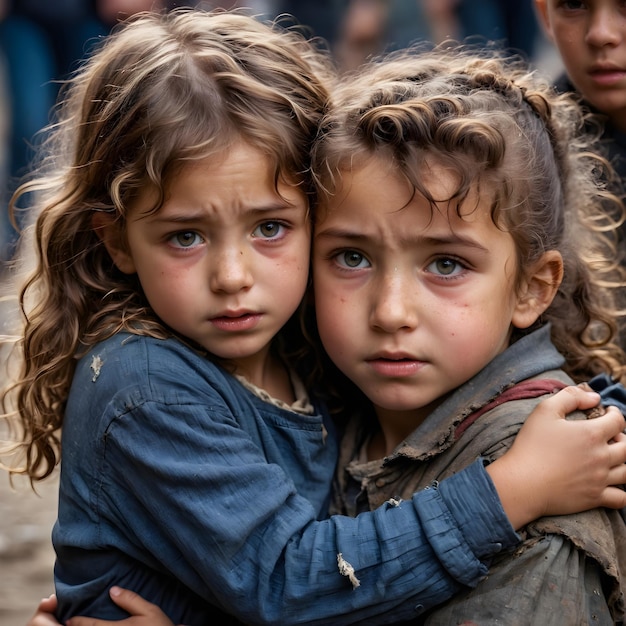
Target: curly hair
column 506, row 133
column 162, row 90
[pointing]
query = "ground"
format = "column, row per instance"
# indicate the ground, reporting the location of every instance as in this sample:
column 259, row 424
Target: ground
column 26, row 554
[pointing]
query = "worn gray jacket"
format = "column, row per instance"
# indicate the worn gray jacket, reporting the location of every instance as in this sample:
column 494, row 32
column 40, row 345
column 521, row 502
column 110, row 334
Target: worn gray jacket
column 569, row 570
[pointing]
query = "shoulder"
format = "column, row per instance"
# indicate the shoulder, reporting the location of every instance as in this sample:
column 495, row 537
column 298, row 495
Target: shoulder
column 155, row 367
column 132, row 385
column 490, row 430
column 132, row 353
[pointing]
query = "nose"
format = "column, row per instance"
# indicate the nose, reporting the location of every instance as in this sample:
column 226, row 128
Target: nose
column 230, row 269
column 604, row 28
column 394, row 304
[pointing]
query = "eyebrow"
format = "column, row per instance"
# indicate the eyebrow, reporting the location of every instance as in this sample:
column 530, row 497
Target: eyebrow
column 356, row 238
column 179, row 216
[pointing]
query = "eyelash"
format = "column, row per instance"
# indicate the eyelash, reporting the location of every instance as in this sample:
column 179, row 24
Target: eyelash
column 336, row 255
column 280, row 226
column 459, row 267
column 173, row 239
column 570, row 6
column 338, row 259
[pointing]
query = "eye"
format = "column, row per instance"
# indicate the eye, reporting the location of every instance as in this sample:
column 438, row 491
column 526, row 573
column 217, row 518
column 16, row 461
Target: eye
column 268, row 230
column 571, row 5
column 351, row 259
column 186, row 239
column 445, row 266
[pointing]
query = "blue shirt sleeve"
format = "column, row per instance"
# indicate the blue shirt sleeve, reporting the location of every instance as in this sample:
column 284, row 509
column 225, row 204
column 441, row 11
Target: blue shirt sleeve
column 179, row 486
column 611, row 392
column 241, row 535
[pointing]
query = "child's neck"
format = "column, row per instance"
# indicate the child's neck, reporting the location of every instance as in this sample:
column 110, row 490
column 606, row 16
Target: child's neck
column 268, row 373
column 619, row 121
column 395, row 427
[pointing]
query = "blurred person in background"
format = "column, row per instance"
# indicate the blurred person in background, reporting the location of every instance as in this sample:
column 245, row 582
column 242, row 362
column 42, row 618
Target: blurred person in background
column 369, row 27
column 41, row 42
column 4, row 137
column 320, row 17
column 512, row 24
column 590, row 38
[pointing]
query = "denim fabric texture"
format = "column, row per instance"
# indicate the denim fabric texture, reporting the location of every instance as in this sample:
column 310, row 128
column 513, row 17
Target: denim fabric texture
column 181, row 484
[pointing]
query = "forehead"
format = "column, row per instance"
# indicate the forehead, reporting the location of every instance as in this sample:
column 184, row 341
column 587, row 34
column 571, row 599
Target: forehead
column 380, row 178
column 241, row 175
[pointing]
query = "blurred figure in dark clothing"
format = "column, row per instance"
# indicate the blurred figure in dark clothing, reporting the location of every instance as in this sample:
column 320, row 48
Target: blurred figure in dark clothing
column 322, row 17
column 41, row 42
column 513, row 23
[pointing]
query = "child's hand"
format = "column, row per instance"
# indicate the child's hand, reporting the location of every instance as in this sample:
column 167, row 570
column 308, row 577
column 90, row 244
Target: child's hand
column 44, row 615
column 143, row 613
column 557, row 466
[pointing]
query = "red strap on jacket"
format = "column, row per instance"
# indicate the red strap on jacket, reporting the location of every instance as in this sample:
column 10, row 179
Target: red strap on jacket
column 525, row 389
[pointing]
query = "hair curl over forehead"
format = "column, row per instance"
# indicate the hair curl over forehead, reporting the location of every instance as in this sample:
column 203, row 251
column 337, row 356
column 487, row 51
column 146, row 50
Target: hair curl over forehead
column 166, row 89
column 490, row 123
column 511, row 139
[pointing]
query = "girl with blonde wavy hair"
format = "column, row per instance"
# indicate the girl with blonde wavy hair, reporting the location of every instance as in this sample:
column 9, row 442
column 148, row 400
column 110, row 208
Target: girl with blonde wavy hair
column 160, row 324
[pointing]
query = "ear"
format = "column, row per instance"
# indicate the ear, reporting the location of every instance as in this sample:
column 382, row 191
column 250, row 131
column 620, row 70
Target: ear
column 538, row 289
column 112, row 236
column 543, row 16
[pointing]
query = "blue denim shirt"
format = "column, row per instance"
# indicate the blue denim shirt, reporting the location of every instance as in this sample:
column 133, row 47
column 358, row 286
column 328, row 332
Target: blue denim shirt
column 181, row 484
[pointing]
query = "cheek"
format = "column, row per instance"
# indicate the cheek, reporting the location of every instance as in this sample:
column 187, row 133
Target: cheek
column 294, row 266
column 165, row 290
column 324, row 314
column 293, row 260
column 569, row 47
column 326, row 309
column 165, row 303
column 475, row 318
column 478, row 334
column 337, row 322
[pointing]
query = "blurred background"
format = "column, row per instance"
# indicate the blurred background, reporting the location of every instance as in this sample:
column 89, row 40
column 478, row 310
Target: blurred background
column 42, row 41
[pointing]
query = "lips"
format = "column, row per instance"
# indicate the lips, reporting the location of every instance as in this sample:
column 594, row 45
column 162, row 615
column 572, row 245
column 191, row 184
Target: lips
column 395, row 367
column 607, row 75
column 236, row 322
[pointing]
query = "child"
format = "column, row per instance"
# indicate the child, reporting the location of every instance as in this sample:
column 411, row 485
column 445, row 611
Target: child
column 590, row 37
column 173, row 253
column 456, row 259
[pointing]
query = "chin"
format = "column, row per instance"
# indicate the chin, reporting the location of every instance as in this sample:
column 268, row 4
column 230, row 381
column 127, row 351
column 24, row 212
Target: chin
column 398, row 405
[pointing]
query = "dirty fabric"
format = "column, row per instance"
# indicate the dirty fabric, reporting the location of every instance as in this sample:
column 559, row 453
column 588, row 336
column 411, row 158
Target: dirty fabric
column 568, row 570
